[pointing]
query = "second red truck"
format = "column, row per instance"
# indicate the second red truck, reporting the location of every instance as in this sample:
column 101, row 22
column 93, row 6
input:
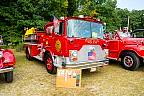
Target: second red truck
column 126, row 49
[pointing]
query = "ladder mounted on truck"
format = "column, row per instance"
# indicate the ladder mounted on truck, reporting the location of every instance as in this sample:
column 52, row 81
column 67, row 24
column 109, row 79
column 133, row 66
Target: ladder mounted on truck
column 32, row 35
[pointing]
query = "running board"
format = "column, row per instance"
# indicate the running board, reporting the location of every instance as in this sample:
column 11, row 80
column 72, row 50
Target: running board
column 38, row 57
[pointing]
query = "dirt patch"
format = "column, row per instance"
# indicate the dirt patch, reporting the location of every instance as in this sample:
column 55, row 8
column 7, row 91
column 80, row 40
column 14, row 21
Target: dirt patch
column 32, row 79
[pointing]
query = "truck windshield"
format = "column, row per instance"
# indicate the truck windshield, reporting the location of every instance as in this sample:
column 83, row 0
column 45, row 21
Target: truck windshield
column 84, row 29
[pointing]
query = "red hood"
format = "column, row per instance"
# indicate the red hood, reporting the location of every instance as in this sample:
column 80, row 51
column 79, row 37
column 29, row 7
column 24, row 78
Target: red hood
column 133, row 41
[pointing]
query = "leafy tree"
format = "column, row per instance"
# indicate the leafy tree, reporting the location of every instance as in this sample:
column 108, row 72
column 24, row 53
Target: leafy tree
column 136, row 19
column 17, row 14
column 7, row 20
column 103, row 9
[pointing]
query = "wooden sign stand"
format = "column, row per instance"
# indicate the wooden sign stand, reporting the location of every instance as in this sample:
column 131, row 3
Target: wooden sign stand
column 68, row 78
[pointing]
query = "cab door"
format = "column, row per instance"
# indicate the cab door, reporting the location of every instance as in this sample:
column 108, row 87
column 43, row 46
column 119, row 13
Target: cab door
column 59, row 39
column 114, row 47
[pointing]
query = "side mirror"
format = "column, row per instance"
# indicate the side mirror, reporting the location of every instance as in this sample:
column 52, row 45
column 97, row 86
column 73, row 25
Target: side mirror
column 49, row 30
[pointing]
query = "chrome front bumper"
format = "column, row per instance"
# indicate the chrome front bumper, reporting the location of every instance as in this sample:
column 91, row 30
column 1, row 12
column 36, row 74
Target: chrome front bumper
column 88, row 65
column 6, row 70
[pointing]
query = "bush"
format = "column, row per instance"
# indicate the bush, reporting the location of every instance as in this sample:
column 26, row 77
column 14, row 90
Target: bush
column 4, row 46
column 19, row 47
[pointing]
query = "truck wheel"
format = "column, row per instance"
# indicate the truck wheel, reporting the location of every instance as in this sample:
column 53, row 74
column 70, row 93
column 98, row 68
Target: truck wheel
column 130, row 61
column 9, row 76
column 49, row 64
column 28, row 54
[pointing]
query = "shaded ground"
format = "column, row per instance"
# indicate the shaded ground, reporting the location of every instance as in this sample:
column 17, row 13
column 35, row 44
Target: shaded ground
column 32, row 79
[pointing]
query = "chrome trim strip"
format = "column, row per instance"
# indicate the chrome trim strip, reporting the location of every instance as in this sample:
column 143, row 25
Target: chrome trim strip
column 87, row 65
column 6, row 70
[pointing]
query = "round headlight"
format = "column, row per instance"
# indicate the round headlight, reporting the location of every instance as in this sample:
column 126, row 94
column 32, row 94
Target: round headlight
column 74, row 53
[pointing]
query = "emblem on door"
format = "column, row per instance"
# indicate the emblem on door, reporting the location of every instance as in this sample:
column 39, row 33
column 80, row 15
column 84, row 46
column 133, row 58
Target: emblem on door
column 58, row 45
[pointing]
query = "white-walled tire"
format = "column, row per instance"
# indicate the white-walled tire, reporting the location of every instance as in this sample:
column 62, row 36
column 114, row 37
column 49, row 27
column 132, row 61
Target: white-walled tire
column 130, row 61
column 49, row 64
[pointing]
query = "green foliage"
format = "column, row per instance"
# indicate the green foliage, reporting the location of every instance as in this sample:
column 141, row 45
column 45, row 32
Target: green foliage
column 20, row 47
column 103, row 9
column 17, row 14
column 136, row 19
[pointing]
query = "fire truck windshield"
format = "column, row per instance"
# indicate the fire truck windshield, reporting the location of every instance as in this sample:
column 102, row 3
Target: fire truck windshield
column 84, row 29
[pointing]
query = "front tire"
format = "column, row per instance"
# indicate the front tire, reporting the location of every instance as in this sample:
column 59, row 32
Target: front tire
column 9, row 76
column 49, row 64
column 130, row 61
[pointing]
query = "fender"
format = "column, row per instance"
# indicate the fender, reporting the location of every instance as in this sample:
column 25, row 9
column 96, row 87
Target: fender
column 135, row 49
column 9, row 58
column 47, row 50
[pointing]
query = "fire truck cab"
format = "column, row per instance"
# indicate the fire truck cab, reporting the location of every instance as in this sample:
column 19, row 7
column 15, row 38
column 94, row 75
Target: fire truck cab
column 70, row 42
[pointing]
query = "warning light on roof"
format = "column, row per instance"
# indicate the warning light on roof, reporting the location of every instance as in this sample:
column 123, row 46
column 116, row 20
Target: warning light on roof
column 81, row 16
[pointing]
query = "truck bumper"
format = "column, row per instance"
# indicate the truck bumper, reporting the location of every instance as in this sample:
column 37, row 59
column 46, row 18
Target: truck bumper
column 87, row 65
column 6, row 70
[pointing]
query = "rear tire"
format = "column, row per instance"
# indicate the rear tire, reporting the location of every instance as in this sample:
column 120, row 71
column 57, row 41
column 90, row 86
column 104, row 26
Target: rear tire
column 130, row 61
column 9, row 76
column 28, row 56
column 49, row 64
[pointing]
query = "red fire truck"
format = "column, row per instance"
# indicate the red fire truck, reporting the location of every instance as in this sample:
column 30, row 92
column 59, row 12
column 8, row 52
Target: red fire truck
column 7, row 62
column 126, row 49
column 70, row 42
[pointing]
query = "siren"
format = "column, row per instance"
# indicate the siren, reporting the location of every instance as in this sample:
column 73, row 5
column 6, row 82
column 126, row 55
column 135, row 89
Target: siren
column 81, row 16
column 62, row 18
column 98, row 19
